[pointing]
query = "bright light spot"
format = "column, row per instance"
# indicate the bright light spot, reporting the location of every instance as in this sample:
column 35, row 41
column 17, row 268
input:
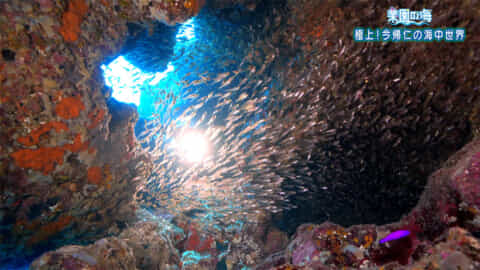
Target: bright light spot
column 192, row 146
column 187, row 30
column 127, row 80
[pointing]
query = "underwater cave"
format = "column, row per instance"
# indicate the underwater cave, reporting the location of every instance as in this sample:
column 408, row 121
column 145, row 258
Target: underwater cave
column 234, row 132
column 372, row 175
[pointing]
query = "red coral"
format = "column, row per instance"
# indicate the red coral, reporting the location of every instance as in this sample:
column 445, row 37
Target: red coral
column 95, row 175
column 206, row 244
column 46, row 158
column 42, row 159
column 34, row 137
column 193, row 239
column 197, row 243
column 69, row 107
column 77, row 145
column 72, row 19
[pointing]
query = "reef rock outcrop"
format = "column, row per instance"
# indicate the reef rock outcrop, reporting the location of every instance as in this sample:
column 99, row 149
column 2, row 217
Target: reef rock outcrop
column 138, row 247
column 440, row 227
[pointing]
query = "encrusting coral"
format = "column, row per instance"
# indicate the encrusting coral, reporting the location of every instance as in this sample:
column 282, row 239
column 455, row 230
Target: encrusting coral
column 69, row 107
column 72, row 19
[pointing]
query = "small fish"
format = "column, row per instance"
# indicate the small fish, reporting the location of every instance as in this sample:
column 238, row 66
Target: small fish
column 242, row 97
column 227, row 82
column 221, row 76
column 394, row 236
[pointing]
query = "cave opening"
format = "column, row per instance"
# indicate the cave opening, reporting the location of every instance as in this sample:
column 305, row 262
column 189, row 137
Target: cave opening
column 202, row 76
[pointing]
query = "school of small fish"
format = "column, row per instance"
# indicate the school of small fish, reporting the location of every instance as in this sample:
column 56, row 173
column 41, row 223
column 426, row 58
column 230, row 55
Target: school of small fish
column 289, row 127
column 236, row 182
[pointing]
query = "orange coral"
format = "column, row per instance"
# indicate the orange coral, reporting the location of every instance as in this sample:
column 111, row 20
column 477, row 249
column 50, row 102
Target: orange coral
column 42, row 159
column 34, row 137
column 311, row 31
column 45, row 159
column 69, row 107
column 77, row 145
column 317, row 31
column 96, row 116
column 72, row 19
column 368, row 240
column 95, row 175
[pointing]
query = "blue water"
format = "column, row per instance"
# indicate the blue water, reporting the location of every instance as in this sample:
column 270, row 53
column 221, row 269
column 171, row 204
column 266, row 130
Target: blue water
column 204, row 47
column 133, row 86
column 16, row 267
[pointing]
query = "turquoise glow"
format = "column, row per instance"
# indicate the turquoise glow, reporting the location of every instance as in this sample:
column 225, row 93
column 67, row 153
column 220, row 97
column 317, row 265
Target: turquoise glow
column 125, row 80
column 186, row 31
column 193, row 257
column 131, row 85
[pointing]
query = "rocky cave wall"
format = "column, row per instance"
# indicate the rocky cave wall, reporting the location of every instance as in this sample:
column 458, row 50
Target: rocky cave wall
column 67, row 161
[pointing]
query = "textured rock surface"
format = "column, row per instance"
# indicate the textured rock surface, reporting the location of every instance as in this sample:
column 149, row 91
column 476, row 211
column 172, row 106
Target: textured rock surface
column 107, row 253
column 138, row 247
column 67, row 159
column 455, row 249
column 150, row 249
column 439, row 227
column 382, row 116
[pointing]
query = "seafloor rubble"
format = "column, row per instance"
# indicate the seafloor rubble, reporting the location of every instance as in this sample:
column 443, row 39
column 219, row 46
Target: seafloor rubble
column 68, row 168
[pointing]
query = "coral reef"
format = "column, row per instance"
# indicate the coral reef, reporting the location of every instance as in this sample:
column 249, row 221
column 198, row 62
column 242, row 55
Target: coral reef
column 138, row 247
column 34, row 137
column 439, row 227
column 72, row 19
column 67, row 158
column 42, row 159
column 382, row 116
column 69, row 107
